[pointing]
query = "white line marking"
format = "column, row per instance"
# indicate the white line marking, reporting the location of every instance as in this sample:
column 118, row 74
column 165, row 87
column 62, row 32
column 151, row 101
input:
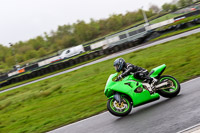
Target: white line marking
column 190, row 128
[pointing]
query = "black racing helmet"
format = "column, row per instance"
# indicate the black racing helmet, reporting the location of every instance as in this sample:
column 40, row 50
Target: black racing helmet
column 119, row 64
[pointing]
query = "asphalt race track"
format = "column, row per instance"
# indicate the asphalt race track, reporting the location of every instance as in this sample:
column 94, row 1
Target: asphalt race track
column 142, row 46
column 162, row 116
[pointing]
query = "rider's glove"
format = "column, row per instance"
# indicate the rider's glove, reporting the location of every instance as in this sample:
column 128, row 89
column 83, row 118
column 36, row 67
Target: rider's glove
column 118, row 78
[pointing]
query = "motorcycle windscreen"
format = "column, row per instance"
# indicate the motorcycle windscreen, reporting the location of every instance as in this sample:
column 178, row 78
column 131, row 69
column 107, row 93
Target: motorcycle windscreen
column 109, row 84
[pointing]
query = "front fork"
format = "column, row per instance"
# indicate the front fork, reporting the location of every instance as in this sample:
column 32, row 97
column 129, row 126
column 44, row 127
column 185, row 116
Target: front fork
column 118, row 98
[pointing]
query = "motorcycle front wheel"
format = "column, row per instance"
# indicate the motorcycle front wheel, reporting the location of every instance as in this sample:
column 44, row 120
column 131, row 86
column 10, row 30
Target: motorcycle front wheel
column 117, row 109
column 172, row 90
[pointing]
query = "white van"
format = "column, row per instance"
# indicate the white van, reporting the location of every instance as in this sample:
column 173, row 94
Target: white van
column 72, row 52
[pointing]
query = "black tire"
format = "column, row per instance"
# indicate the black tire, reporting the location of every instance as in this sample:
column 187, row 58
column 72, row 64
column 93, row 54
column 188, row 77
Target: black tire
column 111, row 108
column 166, row 92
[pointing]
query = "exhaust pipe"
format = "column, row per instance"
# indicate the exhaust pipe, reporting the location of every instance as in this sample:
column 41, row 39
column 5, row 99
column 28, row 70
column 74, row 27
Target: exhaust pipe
column 161, row 85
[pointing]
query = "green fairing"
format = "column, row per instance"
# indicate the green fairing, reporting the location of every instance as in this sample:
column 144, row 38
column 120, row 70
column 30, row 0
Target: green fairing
column 157, row 70
column 128, row 85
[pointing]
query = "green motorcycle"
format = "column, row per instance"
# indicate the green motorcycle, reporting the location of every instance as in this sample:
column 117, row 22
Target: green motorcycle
column 122, row 95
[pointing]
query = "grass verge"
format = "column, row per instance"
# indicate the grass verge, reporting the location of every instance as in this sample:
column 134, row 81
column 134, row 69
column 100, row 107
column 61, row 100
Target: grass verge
column 69, row 97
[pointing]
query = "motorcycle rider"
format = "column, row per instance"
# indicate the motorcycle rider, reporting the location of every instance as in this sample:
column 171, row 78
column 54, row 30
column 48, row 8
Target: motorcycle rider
column 128, row 68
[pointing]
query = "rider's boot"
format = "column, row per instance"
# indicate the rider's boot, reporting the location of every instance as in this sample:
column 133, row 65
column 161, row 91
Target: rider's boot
column 151, row 82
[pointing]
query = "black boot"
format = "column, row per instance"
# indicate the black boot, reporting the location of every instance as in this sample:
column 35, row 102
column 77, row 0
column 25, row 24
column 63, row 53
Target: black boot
column 148, row 80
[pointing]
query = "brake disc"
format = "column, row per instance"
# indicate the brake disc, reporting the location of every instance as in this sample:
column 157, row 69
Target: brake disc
column 119, row 107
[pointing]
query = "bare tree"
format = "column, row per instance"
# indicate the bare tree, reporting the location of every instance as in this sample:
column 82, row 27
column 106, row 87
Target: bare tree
column 154, row 8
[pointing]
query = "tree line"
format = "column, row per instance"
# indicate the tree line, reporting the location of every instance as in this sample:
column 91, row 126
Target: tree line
column 180, row 4
column 80, row 32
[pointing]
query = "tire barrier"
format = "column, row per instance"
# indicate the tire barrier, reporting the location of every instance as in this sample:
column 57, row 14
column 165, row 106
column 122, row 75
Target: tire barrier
column 153, row 35
column 87, row 48
column 181, row 26
column 3, row 77
column 197, row 12
column 197, row 21
column 31, row 67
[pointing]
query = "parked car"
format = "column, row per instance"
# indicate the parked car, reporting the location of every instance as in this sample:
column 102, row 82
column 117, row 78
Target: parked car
column 72, row 52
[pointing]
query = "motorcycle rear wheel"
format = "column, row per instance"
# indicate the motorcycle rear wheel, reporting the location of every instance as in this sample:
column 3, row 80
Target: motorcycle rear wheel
column 171, row 91
column 119, row 110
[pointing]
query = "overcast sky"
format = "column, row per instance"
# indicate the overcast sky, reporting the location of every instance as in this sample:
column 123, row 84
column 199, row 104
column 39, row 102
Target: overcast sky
column 21, row 20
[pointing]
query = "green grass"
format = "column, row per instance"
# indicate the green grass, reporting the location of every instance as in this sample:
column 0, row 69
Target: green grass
column 165, row 17
column 69, row 97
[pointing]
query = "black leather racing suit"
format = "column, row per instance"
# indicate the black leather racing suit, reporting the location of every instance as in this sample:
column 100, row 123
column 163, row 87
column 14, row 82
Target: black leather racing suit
column 139, row 73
